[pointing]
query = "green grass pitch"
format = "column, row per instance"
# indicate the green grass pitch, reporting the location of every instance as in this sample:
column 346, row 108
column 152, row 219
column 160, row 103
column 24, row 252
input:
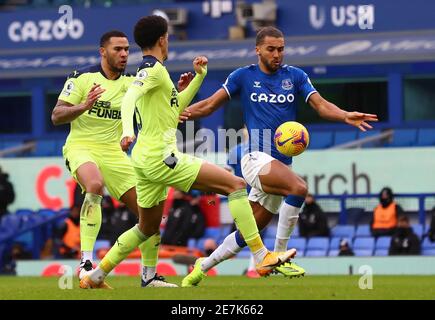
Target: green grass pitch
column 227, row 288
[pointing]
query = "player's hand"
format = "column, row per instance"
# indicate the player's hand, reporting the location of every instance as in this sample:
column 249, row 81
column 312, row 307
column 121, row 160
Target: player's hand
column 184, row 116
column 200, row 64
column 93, row 95
column 184, row 81
column 126, row 143
column 359, row 119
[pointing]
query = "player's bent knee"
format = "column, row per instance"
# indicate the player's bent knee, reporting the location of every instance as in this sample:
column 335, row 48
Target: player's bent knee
column 299, row 189
column 237, row 184
column 95, row 186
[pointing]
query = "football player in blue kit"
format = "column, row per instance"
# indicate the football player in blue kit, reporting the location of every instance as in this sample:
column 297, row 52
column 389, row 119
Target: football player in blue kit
column 269, row 91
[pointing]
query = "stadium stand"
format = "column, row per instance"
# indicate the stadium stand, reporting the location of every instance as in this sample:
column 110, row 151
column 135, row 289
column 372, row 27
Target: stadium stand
column 403, row 138
column 382, row 246
column 363, row 246
column 317, row 246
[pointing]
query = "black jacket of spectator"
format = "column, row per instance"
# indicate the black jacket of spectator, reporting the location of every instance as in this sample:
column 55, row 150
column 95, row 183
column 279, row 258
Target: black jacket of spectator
column 184, row 221
column 405, row 242
column 313, row 221
column 115, row 221
column 7, row 193
column 431, row 233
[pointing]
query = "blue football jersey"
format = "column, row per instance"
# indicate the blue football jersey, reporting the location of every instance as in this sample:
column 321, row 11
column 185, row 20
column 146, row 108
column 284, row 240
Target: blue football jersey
column 268, row 100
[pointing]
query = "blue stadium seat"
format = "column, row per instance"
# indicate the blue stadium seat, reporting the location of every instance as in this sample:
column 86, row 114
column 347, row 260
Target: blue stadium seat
column 270, row 231
column 334, row 243
column 333, row 252
column 343, row 231
column 269, row 243
column 225, row 230
column 101, row 244
column 427, row 247
column 381, row 252
column 295, row 232
column 404, row 138
column 212, row 232
column 363, row 246
column 341, row 137
column 363, row 231
column 11, row 222
column 23, row 212
column 200, row 243
column 299, row 244
column 427, row 244
column 316, row 253
column 383, row 243
column 370, row 133
column 317, row 246
column 245, row 253
column 418, row 229
column 320, row 139
column 4, row 233
column 191, row 243
column 46, row 213
column 426, row 137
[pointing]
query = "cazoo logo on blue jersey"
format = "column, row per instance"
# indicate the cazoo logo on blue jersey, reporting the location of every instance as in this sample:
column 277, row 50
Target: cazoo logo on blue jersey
column 272, row 98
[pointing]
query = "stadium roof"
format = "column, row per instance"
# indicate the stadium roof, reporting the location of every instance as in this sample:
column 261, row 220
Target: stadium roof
column 371, row 48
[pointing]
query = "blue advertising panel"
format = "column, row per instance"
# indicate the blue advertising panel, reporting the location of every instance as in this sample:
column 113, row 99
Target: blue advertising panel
column 43, row 28
column 225, row 55
column 354, row 16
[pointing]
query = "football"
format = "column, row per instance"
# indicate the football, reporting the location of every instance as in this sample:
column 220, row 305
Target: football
column 291, row 138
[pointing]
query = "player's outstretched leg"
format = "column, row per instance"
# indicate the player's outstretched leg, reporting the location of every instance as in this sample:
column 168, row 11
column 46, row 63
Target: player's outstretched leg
column 195, row 276
column 149, row 249
column 277, row 178
column 91, row 180
column 215, row 179
column 125, row 244
column 90, row 223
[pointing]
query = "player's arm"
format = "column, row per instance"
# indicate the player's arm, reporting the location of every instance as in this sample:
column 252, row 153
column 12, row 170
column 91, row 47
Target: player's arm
column 186, row 96
column 146, row 79
column 330, row 111
column 184, row 81
column 205, row 107
column 65, row 112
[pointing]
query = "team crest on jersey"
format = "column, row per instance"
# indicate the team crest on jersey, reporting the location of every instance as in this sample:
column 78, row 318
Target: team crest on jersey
column 141, row 75
column 286, row 84
column 68, row 88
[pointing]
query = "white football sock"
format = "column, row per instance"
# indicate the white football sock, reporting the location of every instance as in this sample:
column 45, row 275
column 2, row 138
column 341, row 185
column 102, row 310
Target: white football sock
column 226, row 250
column 288, row 218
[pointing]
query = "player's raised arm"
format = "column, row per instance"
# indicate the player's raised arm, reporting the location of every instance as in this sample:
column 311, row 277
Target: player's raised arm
column 184, row 81
column 330, row 111
column 127, row 112
column 205, row 107
column 186, row 96
column 65, row 112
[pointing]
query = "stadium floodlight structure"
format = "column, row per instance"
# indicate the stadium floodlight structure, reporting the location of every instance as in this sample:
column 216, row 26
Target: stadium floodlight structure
column 259, row 14
column 177, row 20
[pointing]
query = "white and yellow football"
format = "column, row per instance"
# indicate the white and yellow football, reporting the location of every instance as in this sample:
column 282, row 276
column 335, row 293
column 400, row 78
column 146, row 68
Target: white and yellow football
column 291, row 138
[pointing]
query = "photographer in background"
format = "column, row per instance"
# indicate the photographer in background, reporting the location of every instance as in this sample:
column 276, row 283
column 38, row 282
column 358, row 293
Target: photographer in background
column 7, row 193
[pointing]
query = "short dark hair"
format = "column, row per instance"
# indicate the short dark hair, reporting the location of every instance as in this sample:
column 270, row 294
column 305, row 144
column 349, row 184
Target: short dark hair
column 403, row 218
column 267, row 32
column 114, row 33
column 148, row 30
